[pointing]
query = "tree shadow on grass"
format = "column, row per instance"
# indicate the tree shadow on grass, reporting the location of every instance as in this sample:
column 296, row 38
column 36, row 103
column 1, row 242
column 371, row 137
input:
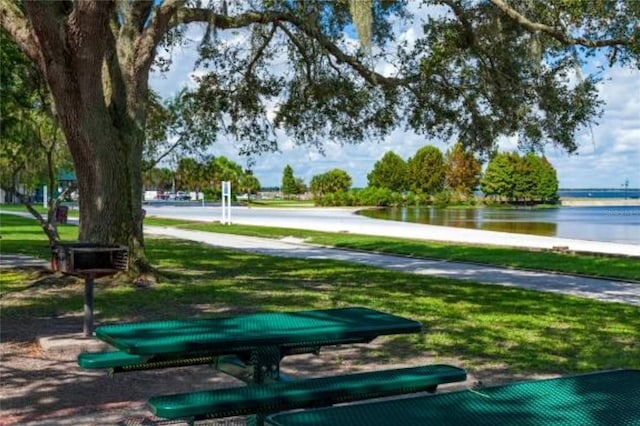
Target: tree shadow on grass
column 488, row 329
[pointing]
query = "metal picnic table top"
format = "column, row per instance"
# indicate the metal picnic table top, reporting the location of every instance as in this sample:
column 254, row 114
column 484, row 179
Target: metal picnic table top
column 602, row 398
column 233, row 334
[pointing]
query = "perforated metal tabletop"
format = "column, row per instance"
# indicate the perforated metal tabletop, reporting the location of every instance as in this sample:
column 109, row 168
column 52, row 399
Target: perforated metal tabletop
column 247, row 332
column 605, row 398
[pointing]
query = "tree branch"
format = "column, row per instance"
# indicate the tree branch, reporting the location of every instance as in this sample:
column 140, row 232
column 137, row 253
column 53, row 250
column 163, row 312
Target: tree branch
column 140, row 12
column 298, row 46
column 370, row 76
column 48, row 225
column 261, row 50
column 150, row 38
column 458, row 10
column 559, row 35
column 172, row 14
column 168, row 151
column 17, row 25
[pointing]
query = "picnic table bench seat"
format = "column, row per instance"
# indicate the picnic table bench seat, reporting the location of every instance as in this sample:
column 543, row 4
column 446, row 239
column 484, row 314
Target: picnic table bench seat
column 316, row 392
column 118, row 361
column 602, row 398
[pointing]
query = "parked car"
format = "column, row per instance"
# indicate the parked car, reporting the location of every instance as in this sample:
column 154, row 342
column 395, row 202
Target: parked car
column 182, row 195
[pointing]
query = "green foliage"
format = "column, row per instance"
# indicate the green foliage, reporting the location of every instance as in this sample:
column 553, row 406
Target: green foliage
column 525, row 177
column 463, row 171
column 498, row 180
column 301, row 187
column 427, row 170
column 525, row 75
column 369, row 196
column 18, row 85
column 389, row 172
column 548, row 184
column 333, row 181
column 206, row 176
column 442, row 199
column 32, row 150
column 502, row 77
column 218, row 170
column 375, row 196
column 174, row 126
column 289, row 184
column 516, row 178
column 249, row 184
column 190, row 174
column 158, row 178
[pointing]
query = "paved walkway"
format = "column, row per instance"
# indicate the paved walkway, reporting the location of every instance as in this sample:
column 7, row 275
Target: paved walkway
column 601, row 289
column 8, row 261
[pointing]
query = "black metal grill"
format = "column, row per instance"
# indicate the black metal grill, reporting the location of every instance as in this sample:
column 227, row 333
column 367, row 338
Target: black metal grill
column 89, row 261
column 83, row 259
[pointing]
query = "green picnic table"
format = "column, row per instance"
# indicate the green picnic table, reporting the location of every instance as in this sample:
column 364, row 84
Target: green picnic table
column 260, row 339
column 250, row 347
column 610, row 398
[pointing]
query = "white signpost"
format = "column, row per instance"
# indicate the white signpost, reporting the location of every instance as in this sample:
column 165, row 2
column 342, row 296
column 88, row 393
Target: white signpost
column 45, row 197
column 226, row 202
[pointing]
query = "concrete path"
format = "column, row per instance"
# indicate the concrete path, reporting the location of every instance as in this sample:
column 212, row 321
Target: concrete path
column 606, row 290
column 8, row 261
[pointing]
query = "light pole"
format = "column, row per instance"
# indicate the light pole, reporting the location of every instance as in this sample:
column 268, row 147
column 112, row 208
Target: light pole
column 625, row 185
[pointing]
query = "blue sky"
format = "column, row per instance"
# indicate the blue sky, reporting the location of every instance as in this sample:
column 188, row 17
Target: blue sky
column 608, row 154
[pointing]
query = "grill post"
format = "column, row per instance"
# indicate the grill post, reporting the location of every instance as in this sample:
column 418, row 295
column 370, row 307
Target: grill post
column 88, row 306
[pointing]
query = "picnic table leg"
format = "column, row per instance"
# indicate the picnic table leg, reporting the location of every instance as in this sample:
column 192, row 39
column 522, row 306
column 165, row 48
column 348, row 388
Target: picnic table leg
column 266, row 366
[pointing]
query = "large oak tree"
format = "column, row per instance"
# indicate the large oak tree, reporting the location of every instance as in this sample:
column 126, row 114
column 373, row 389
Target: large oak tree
column 482, row 69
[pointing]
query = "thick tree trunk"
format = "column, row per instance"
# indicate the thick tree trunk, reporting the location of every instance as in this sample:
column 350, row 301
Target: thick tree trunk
column 109, row 183
column 100, row 102
column 107, row 204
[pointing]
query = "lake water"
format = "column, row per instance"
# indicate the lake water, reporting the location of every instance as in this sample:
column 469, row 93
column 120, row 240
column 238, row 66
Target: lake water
column 632, row 193
column 611, row 224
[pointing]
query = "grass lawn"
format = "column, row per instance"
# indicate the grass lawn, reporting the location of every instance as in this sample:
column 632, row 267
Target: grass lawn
column 482, row 326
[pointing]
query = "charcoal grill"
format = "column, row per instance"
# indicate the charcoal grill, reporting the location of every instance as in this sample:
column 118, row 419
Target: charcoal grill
column 89, row 261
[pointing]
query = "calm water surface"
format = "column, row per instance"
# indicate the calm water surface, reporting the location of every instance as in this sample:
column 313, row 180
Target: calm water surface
column 611, row 224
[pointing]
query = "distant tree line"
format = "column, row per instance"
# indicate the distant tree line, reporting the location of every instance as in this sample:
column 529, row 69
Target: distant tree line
column 203, row 176
column 431, row 177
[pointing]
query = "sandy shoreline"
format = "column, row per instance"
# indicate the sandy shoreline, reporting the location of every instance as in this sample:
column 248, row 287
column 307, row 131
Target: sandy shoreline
column 599, row 202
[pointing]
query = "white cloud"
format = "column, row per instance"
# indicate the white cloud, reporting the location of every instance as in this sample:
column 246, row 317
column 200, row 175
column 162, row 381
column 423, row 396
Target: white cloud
column 609, row 153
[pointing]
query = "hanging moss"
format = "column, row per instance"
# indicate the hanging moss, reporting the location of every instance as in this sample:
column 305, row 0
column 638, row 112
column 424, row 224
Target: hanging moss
column 362, row 14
